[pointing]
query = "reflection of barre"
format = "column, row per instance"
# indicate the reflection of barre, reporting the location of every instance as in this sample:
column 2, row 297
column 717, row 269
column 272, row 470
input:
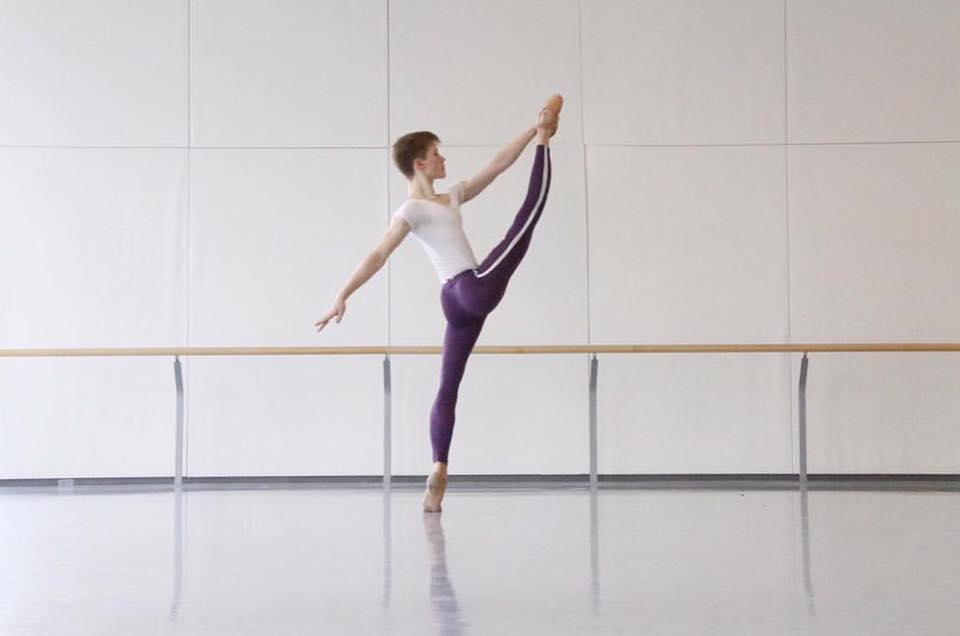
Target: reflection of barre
column 490, row 349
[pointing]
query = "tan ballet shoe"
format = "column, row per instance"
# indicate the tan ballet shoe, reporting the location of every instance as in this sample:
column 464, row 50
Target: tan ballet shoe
column 549, row 117
column 436, row 486
column 555, row 103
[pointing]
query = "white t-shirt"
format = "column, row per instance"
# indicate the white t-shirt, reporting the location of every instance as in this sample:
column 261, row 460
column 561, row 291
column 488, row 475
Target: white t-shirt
column 439, row 228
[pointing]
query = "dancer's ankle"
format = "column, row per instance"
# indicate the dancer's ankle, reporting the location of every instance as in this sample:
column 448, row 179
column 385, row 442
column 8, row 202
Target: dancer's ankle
column 441, row 468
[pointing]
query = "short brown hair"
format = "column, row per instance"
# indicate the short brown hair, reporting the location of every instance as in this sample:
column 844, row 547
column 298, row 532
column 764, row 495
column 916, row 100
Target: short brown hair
column 412, row 146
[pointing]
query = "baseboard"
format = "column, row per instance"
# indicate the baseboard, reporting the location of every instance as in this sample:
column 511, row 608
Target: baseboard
column 761, row 481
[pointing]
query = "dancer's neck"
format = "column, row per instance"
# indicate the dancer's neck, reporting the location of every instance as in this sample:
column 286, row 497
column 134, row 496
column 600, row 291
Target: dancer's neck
column 421, row 187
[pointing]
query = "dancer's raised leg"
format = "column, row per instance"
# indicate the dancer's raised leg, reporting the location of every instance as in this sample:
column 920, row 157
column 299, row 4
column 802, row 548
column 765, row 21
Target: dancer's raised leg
column 498, row 267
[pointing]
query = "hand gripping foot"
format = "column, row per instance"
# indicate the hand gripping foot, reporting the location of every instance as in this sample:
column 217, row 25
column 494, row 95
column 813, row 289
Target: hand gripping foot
column 549, row 117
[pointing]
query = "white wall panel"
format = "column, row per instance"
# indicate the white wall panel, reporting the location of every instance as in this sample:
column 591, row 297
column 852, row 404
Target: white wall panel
column 546, row 299
column 285, row 416
column 288, row 72
column 87, row 417
column 683, row 71
column 90, row 248
column 110, row 72
column 275, row 235
column 687, row 245
column 463, row 69
column 694, row 413
column 883, row 413
column 515, row 415
column 874, row 232
column 874, row 70
column 107, row 248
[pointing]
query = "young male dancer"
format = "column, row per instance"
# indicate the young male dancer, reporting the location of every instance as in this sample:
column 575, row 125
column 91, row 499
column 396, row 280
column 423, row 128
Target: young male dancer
column 470, row 290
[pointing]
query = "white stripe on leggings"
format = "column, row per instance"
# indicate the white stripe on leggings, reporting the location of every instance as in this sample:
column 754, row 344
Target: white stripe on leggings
column 543, row 193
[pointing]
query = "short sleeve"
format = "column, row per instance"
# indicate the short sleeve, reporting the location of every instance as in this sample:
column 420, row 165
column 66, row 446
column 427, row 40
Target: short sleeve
column 456, row 192
column 407, row 214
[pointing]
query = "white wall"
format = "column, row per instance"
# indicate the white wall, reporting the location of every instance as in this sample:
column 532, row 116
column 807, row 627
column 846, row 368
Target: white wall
column 209, row 172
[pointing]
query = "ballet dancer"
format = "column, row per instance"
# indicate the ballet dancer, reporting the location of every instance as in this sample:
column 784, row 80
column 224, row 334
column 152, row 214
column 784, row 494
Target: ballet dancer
column 470, row 290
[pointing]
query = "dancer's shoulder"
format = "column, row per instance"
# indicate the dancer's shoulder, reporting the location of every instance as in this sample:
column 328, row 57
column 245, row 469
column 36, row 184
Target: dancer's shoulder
column 456, row 192
column 409, row 212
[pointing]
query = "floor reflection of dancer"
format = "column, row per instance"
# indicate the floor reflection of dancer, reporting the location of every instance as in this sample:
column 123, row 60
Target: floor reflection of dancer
column 471, row 290
column 442, row 596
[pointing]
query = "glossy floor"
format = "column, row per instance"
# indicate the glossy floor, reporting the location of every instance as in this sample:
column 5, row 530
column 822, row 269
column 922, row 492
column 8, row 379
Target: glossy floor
column 499, row 560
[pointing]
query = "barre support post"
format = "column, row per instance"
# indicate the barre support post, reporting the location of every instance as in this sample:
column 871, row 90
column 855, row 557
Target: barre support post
column 593, row 422
column 803, row 422
column 178, row 453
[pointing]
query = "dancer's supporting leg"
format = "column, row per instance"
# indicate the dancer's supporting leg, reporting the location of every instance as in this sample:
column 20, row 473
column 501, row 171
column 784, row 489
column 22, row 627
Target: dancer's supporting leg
column 458, row 341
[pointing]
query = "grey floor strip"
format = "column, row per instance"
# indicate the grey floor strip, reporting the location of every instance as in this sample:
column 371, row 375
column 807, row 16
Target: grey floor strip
column 944, row 482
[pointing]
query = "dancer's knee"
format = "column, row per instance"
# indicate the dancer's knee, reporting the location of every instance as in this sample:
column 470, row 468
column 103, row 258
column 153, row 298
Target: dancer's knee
column 446, row 396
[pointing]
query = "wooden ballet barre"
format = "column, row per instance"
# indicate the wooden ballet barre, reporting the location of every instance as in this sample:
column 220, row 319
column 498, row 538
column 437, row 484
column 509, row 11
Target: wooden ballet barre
column 489, row 349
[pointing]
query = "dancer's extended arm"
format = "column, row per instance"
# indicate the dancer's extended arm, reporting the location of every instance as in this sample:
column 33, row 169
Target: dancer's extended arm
column 503, row 160
column 369, row 266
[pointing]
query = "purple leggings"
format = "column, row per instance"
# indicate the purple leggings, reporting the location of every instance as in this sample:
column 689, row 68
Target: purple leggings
column 469, row 296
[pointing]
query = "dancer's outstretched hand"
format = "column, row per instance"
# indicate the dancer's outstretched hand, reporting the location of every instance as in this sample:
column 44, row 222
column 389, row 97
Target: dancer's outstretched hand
column 339, row 308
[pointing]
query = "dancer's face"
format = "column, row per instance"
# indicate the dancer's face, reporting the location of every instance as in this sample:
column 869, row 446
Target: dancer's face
column 434, row 165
